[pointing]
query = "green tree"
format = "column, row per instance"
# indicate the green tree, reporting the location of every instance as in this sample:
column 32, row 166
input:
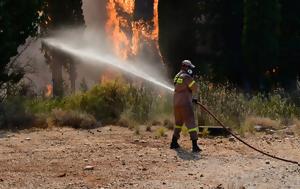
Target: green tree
column 208, row 32
column 177, row 31
column 61, row 14
column 18, row 21
column 219, row 27
column 289, row 67
column 260, row 42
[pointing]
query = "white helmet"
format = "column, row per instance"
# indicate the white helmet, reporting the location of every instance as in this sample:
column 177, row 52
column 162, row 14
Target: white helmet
column 187, row 66
column 187, row 63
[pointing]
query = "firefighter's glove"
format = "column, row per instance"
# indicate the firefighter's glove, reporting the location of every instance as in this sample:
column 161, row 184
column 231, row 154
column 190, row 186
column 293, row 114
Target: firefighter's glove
column 195, row 100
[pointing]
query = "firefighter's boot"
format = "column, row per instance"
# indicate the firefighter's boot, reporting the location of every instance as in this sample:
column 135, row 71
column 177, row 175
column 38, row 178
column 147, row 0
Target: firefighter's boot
column 195, row 146
column 174, row 143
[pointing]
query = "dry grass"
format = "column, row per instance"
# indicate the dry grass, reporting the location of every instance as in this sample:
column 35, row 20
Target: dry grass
column 127, row 121
column 161, row 132
column 40, row 121
column 204, row 133
column 156, row 123
column 248, row 126
column 73, row 119
column 296, row 126
column 264, row 122
column 137, row 129
column 185, row 131
column 123, row 122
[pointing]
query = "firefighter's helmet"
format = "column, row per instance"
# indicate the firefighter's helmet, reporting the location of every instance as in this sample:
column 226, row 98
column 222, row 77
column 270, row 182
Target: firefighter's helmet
column 187, row 63
column 187, row 66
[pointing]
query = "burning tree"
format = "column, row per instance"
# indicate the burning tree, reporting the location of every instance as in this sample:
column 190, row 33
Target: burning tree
column 58, row 15
column 132, row 30
column 132, row 26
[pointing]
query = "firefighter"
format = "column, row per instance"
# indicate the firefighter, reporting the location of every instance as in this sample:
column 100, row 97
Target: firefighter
column 185, row 89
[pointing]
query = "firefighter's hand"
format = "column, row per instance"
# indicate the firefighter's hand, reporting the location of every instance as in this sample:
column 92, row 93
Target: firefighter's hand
column 195, row 100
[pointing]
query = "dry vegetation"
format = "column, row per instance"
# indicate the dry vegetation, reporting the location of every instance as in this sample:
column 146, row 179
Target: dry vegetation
column 128, row 106
column 136, row 154
column 296, row 126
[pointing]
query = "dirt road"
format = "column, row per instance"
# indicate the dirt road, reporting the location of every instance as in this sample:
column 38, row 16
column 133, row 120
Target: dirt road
column 58, row 157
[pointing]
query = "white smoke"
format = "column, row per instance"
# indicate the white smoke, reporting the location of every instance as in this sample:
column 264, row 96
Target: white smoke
column 92, row 37
column 93, row 58
column 94, row 12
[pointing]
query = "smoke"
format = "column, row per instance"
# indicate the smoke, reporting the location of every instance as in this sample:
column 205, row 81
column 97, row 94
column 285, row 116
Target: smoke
column 31, row 59
column 94, row 12
column 92, row 58
column 92, row 37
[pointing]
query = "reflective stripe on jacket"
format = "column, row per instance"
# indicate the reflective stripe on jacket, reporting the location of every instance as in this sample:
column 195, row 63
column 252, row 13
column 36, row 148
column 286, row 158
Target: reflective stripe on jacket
column 184, row 88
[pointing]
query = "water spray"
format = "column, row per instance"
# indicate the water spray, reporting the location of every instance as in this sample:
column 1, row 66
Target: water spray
column 90, row 56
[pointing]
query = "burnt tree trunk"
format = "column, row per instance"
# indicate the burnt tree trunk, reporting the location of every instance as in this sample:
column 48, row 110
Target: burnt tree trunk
column 60, row 15
column 72, row 74
column 57, row 71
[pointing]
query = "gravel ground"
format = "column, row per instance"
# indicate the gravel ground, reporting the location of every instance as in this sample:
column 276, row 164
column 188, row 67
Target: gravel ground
column 114, row 157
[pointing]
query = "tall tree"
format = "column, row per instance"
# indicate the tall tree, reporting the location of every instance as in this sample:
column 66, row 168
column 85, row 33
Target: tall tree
column 177, row 31
column 260, row 42
column 206, row 31
column 18, row 21
column 289, row 67
column 219, row 27
column 59, row 15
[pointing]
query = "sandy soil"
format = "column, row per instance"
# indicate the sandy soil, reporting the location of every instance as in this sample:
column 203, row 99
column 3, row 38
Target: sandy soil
column 57, row 158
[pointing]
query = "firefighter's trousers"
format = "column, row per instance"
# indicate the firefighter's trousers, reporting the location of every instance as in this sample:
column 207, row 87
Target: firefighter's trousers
column 184, row 115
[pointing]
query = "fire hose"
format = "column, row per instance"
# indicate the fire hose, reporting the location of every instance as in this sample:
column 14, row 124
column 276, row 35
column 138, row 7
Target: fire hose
column 242, row 141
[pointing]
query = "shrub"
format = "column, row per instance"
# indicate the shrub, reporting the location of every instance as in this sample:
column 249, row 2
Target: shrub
column 14, row 115
column 296, row 126
column 148, row 128
column 41, row 105
column 143, row 104
column 128, row 106
column 264, row 122
column 272, row 105
column 139, row 103
column 233, row 107
column 161, row 132
column 105, row 102
column 155, row 122
column 73, row 119
column 123, row 122
column 126, row 120
column 40, row 121
column 204, row 133
column 109, row 101
column 137, row 129
column 184, row 131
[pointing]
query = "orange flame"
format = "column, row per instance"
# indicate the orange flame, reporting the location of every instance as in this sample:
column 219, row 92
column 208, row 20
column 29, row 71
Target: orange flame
column 155, row 21
column 107, row 76
column 113, row 27
column 126, row 5
column 49, row 91
column 125, row 33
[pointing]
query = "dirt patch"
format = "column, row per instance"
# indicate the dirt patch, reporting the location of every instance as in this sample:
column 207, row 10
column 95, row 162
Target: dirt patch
column 57, row 158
